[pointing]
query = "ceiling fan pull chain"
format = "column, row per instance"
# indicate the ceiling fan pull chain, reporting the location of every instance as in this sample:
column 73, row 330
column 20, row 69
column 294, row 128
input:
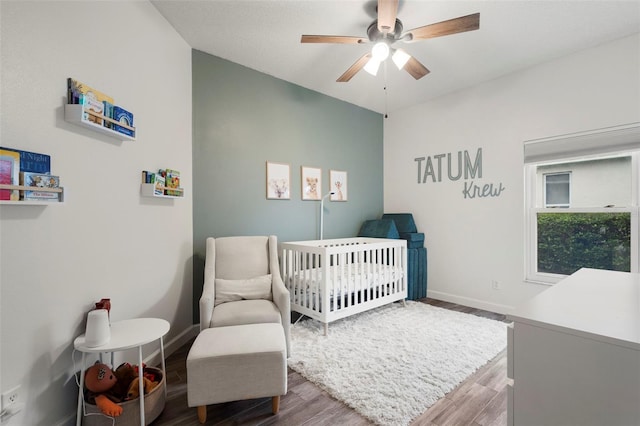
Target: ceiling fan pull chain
column 386, row 103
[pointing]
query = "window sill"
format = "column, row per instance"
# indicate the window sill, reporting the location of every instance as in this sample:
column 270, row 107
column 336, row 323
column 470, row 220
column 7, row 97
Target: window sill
column 538, row 282
column 544, row 279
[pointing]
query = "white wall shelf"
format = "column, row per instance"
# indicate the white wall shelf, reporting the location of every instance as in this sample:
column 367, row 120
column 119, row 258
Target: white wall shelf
column 75, row 113
column 59, row 191
column 148, row 190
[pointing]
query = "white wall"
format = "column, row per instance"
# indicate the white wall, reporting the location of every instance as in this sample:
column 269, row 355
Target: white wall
column 105, row 240
column 472, row 242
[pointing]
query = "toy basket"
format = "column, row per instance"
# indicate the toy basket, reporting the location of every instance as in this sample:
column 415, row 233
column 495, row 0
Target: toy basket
column 153, row 406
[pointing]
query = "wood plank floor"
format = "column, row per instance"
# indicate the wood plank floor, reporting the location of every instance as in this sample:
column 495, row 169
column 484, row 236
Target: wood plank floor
column 480, row 400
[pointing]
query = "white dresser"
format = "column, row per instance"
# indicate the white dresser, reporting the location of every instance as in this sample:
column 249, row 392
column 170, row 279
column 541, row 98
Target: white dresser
column 574, row 353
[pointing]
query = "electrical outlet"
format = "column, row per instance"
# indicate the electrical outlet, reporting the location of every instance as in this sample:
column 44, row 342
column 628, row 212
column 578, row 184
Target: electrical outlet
column 495, row 285
column 10, row 398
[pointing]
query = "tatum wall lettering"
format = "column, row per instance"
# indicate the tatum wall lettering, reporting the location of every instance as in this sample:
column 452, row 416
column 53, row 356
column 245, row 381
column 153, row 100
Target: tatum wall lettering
column 460, row 166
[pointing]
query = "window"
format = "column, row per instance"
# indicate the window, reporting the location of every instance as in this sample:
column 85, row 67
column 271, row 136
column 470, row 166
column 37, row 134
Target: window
column 582, row 208
column 557, row 189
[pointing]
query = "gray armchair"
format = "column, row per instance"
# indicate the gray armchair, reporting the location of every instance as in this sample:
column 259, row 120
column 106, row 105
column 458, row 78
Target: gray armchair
column 242, row 284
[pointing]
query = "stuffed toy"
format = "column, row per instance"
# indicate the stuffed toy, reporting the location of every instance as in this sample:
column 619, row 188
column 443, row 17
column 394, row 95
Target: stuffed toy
column 134, row 389
column 125, row 374
column 99, row 379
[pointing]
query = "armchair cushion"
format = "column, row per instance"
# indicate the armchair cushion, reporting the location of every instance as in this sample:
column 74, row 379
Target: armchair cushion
column 245, row 312
column 248, row 289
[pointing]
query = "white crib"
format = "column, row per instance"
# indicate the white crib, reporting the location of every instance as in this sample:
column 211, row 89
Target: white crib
column 332, row 279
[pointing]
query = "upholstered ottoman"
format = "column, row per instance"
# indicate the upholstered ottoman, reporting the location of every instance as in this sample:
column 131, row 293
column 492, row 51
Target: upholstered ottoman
column 235, row 363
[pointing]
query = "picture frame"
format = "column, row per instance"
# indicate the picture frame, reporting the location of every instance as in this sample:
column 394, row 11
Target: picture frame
column 338, row 185
column 311, row 179
column 278, row 181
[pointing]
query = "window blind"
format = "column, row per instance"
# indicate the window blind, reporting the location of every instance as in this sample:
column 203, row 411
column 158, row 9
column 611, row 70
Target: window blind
column 607, row 140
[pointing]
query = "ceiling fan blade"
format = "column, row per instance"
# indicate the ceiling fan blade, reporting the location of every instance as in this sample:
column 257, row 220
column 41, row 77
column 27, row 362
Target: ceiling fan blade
column 452, row 26
column 332, row 39
column 387, row 13
column 415, row 68
column 353, row 69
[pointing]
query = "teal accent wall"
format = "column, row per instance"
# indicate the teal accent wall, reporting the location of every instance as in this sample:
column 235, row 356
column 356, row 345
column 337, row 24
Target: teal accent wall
column 243, row 118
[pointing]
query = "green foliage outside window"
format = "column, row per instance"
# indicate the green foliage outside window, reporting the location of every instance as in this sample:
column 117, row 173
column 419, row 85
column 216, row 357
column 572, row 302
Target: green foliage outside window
column 570, row 241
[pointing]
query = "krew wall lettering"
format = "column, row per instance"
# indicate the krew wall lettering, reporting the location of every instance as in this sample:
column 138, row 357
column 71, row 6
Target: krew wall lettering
column 432, row 169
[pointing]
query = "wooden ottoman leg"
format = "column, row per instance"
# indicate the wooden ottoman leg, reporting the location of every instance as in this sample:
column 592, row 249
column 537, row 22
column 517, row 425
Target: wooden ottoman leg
column 275, row 404
column 202, row 414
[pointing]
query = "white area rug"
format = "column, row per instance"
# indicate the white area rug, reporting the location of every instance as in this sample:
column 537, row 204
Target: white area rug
column 392, row 363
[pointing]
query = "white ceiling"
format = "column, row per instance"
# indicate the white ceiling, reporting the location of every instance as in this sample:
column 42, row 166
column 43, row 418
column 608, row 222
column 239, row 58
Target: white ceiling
column 514, row 34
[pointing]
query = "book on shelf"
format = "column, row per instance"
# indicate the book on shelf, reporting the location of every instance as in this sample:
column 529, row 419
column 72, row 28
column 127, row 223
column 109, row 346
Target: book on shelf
column 9, row 173
column 108, row 112
column 148, row 177
column 37, row 181
column 174, row 192
column 91, row 105
column 33, row 161
column 159, row 184
column 40, row 196
column 173, row 178
column 125, row 117
column 80, row 93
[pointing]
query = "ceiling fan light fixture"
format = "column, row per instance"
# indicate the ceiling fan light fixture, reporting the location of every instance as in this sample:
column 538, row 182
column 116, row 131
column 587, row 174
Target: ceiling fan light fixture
column 383, row 32
column 380, row 51
column 372, row 66
column 400, row 58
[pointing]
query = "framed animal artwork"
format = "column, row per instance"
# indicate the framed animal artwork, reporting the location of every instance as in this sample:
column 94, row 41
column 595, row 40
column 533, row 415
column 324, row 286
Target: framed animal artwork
column 311, row 183
column 278, row 181
column 338, row 183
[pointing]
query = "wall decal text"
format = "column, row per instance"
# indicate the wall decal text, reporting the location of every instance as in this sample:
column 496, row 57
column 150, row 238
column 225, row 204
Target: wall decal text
column 470, row 169
column 462, row 165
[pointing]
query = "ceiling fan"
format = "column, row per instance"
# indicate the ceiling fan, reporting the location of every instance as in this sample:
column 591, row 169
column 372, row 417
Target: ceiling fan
column 385, row 31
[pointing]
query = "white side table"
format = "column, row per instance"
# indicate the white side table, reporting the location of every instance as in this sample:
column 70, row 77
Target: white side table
column 125, row 335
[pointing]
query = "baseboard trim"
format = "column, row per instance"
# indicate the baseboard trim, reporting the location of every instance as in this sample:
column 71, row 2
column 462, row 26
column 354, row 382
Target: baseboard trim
column 471, row 302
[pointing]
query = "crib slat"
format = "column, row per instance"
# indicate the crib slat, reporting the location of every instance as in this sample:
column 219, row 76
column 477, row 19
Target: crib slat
column 380, row 268
column 339, row 281
column 396, row 270
column 380, row 282
column 314, row 289
column 296, row 277
column 295, row 257
column 399, row 269
column 353, row 279
column 315, row 294
column 287, row 274
column 371, row 279
column 394, row 282
column 389, row 278
column 345, row 273
column 325, row 264
column 327, row 279
column 309, row 286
